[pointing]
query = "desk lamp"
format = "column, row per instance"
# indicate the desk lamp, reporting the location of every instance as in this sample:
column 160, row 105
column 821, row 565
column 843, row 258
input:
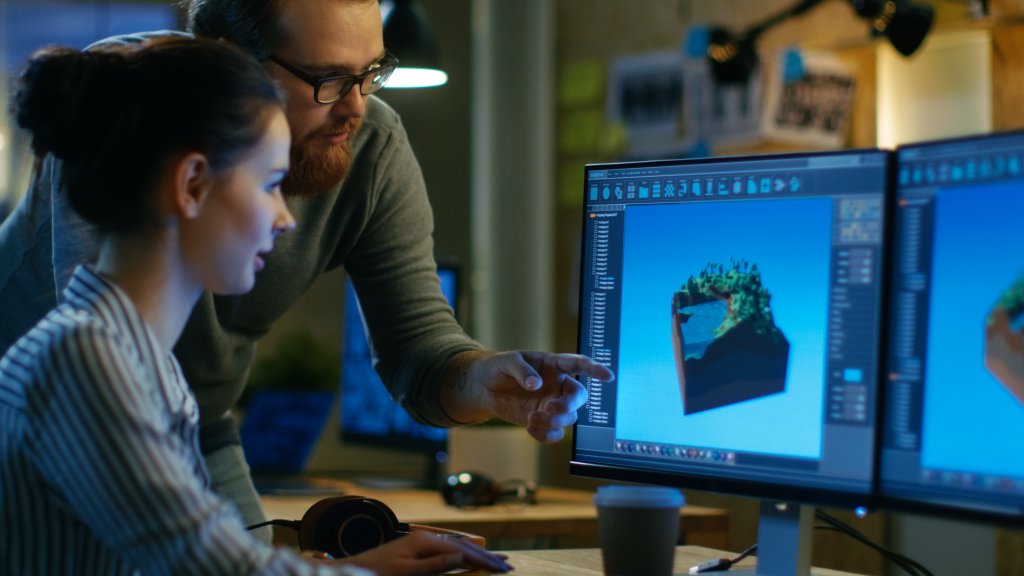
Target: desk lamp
column 408, row 35
column 734, row 56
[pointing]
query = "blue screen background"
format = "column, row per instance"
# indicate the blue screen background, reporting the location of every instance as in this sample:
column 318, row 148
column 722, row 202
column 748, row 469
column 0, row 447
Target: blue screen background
column 790, row 241
column 971, row 422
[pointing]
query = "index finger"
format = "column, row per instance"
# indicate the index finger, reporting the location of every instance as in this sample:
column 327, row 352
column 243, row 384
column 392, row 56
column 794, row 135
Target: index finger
column 579, row 364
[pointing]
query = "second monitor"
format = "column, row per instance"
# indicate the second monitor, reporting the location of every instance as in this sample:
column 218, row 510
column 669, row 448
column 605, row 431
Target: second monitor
column 955, row 409
column 368, row 413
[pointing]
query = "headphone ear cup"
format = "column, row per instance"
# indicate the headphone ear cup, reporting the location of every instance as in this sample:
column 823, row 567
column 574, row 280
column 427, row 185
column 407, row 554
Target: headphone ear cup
column 347, row 525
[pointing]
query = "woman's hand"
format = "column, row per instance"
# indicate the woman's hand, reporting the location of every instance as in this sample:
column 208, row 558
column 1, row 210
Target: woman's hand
column 422, row 553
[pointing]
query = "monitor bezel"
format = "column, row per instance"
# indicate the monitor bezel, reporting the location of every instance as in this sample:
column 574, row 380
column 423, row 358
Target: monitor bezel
column 867, row 500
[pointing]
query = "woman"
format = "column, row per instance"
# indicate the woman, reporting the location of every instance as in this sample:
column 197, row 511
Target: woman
column 175, row 150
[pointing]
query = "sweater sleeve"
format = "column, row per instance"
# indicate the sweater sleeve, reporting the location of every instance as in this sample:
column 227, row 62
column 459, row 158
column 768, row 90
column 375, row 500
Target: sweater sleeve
column 414, row 332
column 26, row 270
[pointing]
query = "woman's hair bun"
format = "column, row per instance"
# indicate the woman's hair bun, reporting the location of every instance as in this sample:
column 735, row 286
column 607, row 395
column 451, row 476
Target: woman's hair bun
column 115, row 115
column 56, row 101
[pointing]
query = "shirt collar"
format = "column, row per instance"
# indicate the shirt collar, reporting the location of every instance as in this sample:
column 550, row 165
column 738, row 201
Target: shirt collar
column 91, row 292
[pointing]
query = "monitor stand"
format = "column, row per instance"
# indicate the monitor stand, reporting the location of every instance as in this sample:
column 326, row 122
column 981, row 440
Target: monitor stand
column 783, row 541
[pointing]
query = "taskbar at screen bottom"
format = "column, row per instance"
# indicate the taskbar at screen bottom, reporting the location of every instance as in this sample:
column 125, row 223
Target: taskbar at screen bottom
column 999, row 505
column 849, row 495
column 720, row 465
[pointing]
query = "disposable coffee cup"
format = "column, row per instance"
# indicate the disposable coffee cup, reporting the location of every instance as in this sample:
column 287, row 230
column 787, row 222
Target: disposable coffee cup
column 638, row 527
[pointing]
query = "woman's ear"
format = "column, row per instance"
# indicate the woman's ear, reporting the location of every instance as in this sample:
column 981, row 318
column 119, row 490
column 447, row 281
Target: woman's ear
column 193, row 180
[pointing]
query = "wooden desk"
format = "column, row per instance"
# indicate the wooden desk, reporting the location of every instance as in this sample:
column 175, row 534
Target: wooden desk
column 561, row 518
column 587, row 562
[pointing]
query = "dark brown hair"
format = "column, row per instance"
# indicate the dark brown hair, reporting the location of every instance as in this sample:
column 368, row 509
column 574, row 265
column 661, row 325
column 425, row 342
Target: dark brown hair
column 251, row 24
column 114, row 115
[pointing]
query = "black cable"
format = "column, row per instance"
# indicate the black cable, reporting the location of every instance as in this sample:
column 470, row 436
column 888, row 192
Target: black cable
column 908, row 565
column 293, row 524
column 899, row 562
column 745, row 553
column 721, row 564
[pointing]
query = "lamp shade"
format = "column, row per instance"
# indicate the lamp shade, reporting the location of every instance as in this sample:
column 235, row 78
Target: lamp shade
column 905, row 24
column 909, row 27
column 409, row 36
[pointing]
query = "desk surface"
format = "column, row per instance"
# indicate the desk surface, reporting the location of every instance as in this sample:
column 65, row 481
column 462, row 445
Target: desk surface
column 587, row 562
column 561, row 517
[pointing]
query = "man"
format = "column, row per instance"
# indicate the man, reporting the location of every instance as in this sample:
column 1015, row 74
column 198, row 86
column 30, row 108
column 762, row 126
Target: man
column 359, row 198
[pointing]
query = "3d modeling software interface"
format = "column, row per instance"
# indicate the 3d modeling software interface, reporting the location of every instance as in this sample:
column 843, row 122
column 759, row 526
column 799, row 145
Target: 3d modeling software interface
column 738, row 301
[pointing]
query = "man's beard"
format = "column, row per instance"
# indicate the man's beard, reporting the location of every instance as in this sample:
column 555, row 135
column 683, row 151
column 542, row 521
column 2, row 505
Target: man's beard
column 315, row 167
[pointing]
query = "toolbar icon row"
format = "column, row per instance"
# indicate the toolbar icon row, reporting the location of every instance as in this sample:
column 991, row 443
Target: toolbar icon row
column 968, row 170
column 671, row 188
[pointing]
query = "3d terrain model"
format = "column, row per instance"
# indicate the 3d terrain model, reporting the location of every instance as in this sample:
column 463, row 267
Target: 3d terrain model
column 727, row 347
column 1004, row 340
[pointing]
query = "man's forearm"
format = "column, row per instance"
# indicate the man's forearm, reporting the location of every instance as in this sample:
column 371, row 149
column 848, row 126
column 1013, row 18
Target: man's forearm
column 461, row 396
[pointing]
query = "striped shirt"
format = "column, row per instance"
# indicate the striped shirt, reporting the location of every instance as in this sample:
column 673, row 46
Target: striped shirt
column 100, row 469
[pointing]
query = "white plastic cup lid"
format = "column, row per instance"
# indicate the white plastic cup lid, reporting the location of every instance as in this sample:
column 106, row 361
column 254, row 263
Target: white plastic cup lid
column 638, row 497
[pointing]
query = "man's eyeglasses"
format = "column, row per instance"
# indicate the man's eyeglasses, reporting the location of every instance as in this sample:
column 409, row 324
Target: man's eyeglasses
column 331, row 88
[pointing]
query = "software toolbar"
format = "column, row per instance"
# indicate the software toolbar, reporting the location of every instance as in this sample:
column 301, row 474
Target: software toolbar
column 780, row 179
column 990, row 166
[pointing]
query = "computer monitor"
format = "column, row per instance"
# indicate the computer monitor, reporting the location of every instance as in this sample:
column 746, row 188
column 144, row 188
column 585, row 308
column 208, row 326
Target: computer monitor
column 739, row 302
column 368, row 413
column 954, row 410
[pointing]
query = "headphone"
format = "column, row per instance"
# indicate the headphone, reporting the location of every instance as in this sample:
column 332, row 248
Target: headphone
column 470, row 489
column 348, row 525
